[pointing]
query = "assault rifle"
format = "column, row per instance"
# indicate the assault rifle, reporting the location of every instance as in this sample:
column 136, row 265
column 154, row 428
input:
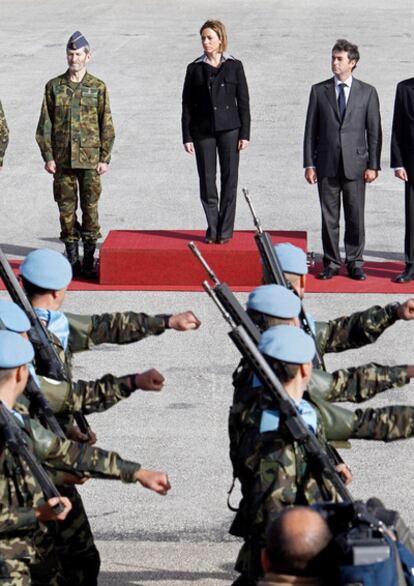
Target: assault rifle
column 48, row 361
column 298, row 429
column 274, row 269
column 227, row 298
column 17, row 444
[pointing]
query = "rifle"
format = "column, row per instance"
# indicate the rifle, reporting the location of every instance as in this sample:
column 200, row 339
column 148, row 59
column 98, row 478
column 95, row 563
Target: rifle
column 42, row 408
column 16, row 442
column 227, row 298
column 48, row 362
column 298, row 429
column 273, row 268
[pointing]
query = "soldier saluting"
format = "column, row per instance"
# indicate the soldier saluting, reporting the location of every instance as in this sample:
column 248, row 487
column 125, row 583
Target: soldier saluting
column 75, row 134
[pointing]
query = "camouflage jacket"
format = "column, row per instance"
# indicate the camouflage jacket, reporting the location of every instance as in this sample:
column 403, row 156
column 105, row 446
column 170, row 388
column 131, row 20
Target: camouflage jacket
column 356, row 330
column 4, row 135
column 20, row 494
column 124, row 327
column 75, row 126
column 70, row 456
column 92, row 396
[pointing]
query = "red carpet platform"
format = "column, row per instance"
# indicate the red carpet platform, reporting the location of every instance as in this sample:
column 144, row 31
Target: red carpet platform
column 161, row 259
column 158, row 260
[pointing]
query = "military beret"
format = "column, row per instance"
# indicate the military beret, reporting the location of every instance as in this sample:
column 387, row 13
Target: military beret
column 47, row 269
column 288, row 344
column 292, row 258
column 76, row 41
column 14, row 350
column 274, row 300
column 12, row 317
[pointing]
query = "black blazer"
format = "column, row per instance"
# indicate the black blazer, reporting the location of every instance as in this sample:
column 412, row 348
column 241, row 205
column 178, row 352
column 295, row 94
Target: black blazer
column 358, row 139
column 226, row 107
column 402, row 138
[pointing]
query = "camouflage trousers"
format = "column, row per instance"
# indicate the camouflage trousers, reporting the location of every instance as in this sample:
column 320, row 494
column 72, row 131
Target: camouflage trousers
column 384, row 424
column 65, row 190
column 74, row 544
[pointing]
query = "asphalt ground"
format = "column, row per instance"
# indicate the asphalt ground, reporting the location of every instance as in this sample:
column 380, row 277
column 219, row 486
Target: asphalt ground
column 140, row 49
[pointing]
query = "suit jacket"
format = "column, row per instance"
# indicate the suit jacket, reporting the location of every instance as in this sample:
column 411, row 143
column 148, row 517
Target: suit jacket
column 358, row 138
column 225, row 107
column 402, row 137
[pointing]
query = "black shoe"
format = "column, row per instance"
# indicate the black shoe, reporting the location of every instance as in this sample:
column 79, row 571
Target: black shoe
column 88, row 265
column 223, row 240
column 357, row 273
column 72, row 254
column 406, row 276
column 328, row 273
column 209, row 241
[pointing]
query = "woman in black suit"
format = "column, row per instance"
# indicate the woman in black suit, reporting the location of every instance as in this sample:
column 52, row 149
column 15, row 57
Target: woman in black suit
column 216, row 119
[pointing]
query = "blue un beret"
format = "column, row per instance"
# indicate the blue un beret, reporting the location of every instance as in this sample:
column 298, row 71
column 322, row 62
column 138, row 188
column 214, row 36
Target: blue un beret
column 12, row 317
column 288, row 344
column 14, row 350
column 274, row 300
column 47, row 269
column 76, row 41
column 292, row 258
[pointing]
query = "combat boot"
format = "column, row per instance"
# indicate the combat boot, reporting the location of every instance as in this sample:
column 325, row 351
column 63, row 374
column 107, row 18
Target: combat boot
column 88, row 265
column 72, row 254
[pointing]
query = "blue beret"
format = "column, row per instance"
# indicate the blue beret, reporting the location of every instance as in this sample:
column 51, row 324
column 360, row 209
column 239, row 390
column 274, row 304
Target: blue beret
column 291, row 258
column 14, row 350
column 12, row 317
column 47, row 269
column 77, row 41
column 274, row 300
column 288, row 344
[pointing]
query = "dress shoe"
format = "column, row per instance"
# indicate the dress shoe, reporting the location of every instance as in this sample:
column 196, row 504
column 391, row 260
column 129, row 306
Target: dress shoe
column 406, row 276
column 208, row 240
column 328, row 273
column 357, row 273
column 223, row 240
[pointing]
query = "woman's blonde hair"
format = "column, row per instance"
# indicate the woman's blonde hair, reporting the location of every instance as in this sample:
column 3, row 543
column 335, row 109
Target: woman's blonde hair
column 218, row 27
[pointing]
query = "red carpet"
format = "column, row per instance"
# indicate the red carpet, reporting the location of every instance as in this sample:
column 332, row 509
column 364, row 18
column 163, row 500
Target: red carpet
column 158, row 260
column 161, row 259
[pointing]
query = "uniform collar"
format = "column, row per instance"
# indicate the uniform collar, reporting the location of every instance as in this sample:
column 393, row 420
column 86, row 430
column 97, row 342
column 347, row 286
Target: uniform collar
column 85, row 81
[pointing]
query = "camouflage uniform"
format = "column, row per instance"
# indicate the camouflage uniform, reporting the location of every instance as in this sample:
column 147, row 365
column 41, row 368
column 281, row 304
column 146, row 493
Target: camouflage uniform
column 20, row 494
column 4, row 135
column 279, row 476
column 75, row 542
column 75, row 130
column 51, row 561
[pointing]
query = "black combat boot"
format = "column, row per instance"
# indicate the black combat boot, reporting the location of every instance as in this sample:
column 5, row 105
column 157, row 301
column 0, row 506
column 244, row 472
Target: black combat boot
column 72, row 254
column 88, row 265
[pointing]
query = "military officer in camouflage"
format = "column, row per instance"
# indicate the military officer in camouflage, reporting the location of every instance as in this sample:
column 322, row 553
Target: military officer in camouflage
column 23, row 509
column 281, row 472
column 4, row 136
column 75, row 134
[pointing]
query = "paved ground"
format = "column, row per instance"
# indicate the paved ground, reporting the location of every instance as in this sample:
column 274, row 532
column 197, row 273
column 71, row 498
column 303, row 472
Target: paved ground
column 140, row 49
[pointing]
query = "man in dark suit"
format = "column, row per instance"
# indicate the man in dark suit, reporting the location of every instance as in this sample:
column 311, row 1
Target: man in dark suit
column 342, row 149
column 402, row 161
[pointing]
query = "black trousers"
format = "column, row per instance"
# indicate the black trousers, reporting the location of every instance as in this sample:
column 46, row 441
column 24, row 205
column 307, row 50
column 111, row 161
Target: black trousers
column 220, row 214
column 409, row 223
